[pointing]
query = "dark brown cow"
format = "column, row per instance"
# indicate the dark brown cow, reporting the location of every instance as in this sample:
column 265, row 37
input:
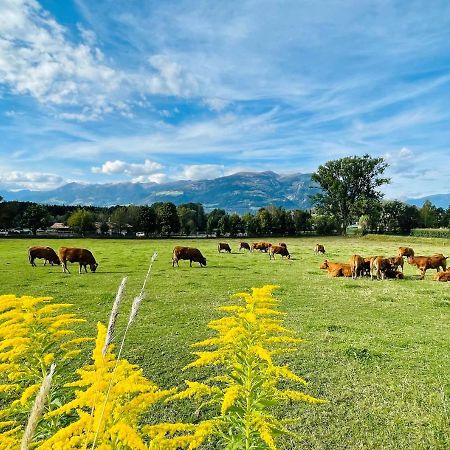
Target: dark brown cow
column 357, row 266
column 223, row 246
column 337, row 269
column 381, row 265
column 319, row 248
column 396, row 262
column 82, row 256
column 187, row 253
column 282, row 244
column 261, row 246
column 278, row 250
column 45, row 253
column 244, row 245
column 405, row 251
column 366, row 266
column 424, row 263
column 392, row 273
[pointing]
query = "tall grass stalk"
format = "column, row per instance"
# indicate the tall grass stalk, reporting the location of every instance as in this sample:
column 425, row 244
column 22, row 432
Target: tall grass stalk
column 134, row 309
column 37, row 409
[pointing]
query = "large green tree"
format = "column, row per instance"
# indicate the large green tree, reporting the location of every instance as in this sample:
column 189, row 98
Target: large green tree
column 347, row 184
column 82, row 221
column 35, row 217
column 167, row 219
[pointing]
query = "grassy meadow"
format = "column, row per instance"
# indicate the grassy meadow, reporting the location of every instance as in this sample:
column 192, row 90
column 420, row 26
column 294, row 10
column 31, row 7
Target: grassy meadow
column 379, row 351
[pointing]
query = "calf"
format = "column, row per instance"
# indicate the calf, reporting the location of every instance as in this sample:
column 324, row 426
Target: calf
column 278, row 250
column 423, row 263
column 261, row 246
column 187, row 253
column 357, row 266
column 337, row 269
column 442, row 276
column 45, row 253
column 319, row 248
column 405, row 251
column 223, row 246
column 244, row 245
column 80, row 255
column 393, row 273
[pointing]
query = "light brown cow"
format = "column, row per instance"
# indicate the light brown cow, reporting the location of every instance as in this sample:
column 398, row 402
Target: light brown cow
column 396, row 262
column 380, row 265
column 45, row 253
column 319, row 248
column 244, row 245
column 224, row 246
column 261, row 246
column 187, row 253
column 405, row 251
column 278, row 250
column 424, row 263
column 357, row 266
column 82, row 256
column 337, row 269
column 442, row 276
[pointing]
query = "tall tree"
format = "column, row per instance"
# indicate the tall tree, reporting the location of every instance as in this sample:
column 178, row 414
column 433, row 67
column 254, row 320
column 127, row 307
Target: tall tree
column 147, row 219
column 82, row 221
column 167, row 219
column 429, row 216
column 35, row 217
column 119, row 219
column 348, row 183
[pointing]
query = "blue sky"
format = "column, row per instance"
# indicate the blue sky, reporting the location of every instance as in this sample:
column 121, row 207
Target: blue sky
column 137, row 90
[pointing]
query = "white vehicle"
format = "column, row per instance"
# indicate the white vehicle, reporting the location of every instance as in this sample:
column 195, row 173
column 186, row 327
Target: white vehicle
column 140, row 234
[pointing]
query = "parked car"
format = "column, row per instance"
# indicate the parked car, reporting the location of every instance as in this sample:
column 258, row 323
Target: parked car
column 140, row 234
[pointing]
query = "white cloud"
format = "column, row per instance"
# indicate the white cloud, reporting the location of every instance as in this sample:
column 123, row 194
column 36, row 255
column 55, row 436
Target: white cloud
column 122, row 167
column 153, row 178
column 203, row 171
column 29, row 180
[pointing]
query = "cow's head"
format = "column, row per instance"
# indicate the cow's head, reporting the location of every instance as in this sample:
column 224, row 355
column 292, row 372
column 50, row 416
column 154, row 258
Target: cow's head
column 93, row 267
column 203, row 261
column 324, row 265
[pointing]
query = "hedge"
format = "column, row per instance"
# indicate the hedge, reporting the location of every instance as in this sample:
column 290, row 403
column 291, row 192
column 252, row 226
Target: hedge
column 431, row 232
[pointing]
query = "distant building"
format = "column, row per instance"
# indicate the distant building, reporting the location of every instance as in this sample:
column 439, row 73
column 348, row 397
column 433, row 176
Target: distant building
column 60, row 228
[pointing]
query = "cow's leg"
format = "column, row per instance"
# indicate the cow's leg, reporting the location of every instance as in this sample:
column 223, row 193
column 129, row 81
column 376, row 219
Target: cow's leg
column 45, row 262
column 64, row 266
column 79, row 268
column 190, row 263
column 85, row 268
column 423, row 273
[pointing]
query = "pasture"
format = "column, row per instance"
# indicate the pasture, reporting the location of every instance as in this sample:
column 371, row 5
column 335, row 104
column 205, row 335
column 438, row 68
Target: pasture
column 379, row 351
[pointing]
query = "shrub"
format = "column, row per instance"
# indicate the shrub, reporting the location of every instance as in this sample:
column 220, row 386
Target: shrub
column 431, row 232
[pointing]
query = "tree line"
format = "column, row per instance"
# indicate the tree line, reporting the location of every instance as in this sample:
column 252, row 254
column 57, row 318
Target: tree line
column 350, row 194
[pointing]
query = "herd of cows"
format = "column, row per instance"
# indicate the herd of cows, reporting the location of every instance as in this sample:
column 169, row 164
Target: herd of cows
column 374, row 266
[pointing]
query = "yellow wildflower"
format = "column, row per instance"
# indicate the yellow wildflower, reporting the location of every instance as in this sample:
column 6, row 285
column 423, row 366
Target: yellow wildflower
column 229, row 398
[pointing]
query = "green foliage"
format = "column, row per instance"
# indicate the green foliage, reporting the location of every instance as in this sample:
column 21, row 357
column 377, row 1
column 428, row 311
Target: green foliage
column 324, row 225
column 167, row 220
column 431, row 232
column 35, row 217
column 147, row 220
column 82, row 222
column 347, row 184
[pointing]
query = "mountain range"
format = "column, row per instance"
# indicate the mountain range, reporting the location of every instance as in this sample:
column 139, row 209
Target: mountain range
column 240, row 192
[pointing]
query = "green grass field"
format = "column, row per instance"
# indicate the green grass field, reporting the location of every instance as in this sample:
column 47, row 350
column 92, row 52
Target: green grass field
column 379, row 351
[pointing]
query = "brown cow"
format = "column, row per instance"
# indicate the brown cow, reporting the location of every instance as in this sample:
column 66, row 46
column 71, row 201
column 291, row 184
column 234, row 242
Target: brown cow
column 357, row 266
column 442, row 276
column 337, row 269
column 424, row 263
column 366, row 265
column 261, row 246
column 223, row 246
column 282, row 244
column 45, row 253
column 278, row 250
column 393, row 273
column 405, row 251
column 244, row 245
column 80, row 255
column 381, row 265
column 319, row 248
column 187, row 253
column 396, row 262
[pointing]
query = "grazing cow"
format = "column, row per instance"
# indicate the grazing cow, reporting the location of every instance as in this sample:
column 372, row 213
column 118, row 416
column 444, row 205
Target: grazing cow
column 188, row 253
column 223, row 246
column 357, row 266
column 381, row 265
column 337, row 269
column 45, row 253
column 244, row 245
column 278, row 250
column 80, row 255
column 405, row 251
column 396, row 262
column 442, row 276
column 366, row 265
column 424, row 263
column 319, row 248
column 261, row 246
